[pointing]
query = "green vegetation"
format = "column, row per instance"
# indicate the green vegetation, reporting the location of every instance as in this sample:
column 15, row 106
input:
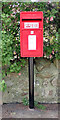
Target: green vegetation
column 40, row 106
column 26, row 102
column 2, row 86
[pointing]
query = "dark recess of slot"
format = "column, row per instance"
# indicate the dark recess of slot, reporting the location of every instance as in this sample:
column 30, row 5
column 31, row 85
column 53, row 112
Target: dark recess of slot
column 31, row 19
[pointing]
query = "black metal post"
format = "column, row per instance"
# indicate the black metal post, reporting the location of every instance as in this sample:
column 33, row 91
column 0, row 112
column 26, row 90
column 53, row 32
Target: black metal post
column 31, row 82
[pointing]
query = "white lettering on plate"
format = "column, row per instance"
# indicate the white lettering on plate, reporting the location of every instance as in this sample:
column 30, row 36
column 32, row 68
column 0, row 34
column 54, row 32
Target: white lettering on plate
column 32, row 42
column 28, row 25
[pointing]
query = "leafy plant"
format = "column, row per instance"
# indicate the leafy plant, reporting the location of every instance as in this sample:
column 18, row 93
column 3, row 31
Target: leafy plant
column 57, row 45
column 39, row 105
column 3, row 85
column 26, row 102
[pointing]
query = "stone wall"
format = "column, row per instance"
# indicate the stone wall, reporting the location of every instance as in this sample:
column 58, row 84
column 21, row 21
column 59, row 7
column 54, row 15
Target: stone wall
column 45, row 83
column 46, row 76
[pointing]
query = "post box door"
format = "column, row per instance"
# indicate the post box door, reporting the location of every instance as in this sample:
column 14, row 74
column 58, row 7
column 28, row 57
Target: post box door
column 32, row 44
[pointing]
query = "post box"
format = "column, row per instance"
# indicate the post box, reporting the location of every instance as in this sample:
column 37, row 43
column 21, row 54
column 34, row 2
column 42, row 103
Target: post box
column 31, row 34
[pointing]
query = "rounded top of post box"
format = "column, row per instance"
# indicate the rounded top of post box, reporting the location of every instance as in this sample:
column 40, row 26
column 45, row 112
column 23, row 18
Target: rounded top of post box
column 31, row 12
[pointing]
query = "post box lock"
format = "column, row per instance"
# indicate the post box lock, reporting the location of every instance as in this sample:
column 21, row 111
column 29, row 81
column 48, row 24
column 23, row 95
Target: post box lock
column 31, row 34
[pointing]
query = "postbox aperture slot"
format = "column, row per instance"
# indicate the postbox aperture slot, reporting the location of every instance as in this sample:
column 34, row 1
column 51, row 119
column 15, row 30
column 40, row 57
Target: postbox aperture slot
column 31, row 20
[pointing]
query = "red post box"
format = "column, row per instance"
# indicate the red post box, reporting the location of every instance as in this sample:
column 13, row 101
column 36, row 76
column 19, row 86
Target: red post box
column 31, row 34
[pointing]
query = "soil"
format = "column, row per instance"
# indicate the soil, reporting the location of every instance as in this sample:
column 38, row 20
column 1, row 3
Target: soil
column 18, row 110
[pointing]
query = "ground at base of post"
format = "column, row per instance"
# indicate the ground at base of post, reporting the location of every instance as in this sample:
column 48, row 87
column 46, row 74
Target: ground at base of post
column 16, row 110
